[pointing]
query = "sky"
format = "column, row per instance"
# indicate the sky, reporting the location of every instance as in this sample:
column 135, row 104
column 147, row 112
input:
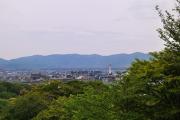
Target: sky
column 105, row 27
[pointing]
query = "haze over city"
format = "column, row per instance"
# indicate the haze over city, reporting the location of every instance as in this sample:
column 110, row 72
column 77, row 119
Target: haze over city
column 79, row 26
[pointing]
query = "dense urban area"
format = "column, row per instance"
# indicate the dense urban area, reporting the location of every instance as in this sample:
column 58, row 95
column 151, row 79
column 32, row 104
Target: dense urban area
column 36, row 76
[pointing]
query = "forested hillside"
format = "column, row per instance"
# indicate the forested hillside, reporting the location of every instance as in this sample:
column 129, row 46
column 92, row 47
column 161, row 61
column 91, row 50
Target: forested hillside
column 38, row 62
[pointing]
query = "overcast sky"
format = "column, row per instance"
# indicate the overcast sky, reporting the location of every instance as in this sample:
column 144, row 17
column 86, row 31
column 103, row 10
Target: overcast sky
column 29, row 27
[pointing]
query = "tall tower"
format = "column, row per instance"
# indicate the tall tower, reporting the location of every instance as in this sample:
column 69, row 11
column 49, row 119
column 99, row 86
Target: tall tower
column 110, row 69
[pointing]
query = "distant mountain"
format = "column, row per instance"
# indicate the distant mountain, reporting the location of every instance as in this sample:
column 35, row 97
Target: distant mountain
column 3, row 63
column 58, row 61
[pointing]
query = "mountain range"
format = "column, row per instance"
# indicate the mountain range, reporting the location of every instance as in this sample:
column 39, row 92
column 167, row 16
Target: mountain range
column 58, row 61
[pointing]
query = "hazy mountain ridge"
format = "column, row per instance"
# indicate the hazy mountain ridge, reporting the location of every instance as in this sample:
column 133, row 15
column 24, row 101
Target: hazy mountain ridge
column 71, row 61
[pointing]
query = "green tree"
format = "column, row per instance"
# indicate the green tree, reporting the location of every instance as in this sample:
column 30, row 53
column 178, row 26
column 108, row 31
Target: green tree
column 9, row 90
column 24, row 107
column 92, row 105
column 151, row 89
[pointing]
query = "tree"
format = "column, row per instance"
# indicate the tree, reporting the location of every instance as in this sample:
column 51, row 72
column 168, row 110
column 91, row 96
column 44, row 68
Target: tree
column 24, row 107
column 92, row 105
column 170, row 32
column 9, row 90
column 151, row 89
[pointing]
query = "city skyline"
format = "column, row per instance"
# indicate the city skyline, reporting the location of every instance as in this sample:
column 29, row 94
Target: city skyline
column 105, row 27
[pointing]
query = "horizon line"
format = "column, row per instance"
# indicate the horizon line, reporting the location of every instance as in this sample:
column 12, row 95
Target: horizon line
column 45, row 55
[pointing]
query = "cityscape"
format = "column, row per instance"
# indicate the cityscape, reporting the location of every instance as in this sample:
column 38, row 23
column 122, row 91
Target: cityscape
column 106, row 75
